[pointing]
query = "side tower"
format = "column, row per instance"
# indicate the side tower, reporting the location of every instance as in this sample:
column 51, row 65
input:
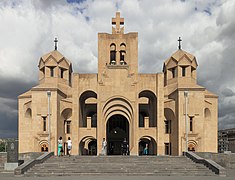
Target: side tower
column 190, row 110
column 43, row 103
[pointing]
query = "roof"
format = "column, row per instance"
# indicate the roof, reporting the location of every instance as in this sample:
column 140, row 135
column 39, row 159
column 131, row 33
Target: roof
column 179, row 55
column 56, row 55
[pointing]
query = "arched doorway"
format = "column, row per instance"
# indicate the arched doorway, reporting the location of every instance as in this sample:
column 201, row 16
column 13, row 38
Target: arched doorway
column 88, row 146
column 117, row 130
column 152, row 145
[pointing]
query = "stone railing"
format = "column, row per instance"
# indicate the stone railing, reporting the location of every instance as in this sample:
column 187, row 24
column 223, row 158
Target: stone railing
column 30, row 163
column 216, row 168
column 227, row 160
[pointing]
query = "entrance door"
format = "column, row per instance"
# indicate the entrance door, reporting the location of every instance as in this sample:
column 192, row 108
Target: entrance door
column 117, row 129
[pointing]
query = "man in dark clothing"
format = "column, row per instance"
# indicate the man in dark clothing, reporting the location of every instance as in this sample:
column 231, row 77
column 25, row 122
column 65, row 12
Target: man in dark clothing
column 125, row 147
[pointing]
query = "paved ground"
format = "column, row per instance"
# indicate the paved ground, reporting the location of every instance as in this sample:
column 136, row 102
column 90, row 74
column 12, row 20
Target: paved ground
column 10, row 176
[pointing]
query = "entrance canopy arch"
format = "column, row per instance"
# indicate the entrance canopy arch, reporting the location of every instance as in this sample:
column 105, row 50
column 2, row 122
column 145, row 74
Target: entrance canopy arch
column 118, row 105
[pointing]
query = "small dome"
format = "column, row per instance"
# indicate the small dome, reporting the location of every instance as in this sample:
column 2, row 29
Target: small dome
column 181, row 57
column 54, row 58
column 56, row 55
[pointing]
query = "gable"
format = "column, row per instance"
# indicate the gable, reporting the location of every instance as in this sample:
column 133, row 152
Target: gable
column 64, row 64
column 171, row 63
column 184, row 61
column 51, row 61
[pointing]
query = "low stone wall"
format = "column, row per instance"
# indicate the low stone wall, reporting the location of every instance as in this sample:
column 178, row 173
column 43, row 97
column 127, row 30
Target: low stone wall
column 3, row 159
column 22, row 157
column 226, row 160
column 29, row 155
column 215, row 167
column 30, row 163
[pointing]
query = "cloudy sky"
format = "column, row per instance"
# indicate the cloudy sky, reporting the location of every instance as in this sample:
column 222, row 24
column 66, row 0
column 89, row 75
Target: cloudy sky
column 28, row 27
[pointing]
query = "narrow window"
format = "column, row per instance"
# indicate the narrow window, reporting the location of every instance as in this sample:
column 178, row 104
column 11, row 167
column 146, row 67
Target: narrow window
column 167, row 149
column 113, row 57
column 122, row 57
column 191, row 124
column 167, row 126
column 68, row 127
column 183, row 71
column 173, row 72
column 52, row 71
column 61, row 73
column 44, row 123
column 70, row 79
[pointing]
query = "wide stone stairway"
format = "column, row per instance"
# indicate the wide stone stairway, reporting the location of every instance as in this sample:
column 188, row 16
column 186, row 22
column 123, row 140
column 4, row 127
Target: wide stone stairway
column 119, row 165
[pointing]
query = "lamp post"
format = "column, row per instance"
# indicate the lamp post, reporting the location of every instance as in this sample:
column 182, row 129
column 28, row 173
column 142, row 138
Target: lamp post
column 186, row 120
column 49, row 123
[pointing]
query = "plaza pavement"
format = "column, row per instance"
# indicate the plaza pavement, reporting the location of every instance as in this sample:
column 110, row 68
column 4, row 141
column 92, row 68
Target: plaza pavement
column 10, row 176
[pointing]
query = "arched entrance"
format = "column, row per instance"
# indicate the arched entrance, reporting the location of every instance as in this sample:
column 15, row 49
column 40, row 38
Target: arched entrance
column 152, row 145
column 117, row 130
column 88, row 146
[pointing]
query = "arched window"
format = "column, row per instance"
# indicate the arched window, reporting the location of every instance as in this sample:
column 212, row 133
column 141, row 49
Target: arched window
column 112, row 54
column 207, row 114
column 122, row 54
column 28, row 113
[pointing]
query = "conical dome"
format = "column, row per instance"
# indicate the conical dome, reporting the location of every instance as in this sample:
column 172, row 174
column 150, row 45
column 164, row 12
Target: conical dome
column 54, row 58
column 181, row 57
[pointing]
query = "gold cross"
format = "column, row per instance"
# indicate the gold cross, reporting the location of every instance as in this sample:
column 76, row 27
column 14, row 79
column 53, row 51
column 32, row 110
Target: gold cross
column 118, row 21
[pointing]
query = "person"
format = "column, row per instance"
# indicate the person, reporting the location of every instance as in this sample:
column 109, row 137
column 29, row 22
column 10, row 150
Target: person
column 124, row 147
column 146, row 151
column 104, row 147
column 60, row 146
column 69, row 146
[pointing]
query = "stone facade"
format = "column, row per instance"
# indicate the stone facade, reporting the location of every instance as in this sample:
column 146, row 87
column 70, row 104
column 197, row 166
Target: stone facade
column 118, row 103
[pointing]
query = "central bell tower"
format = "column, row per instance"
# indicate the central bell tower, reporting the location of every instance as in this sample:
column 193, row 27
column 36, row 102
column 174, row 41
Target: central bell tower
column 118, row 50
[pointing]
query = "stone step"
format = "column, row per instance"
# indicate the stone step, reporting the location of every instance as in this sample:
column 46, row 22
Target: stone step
column 119, row 165
column 123, row 173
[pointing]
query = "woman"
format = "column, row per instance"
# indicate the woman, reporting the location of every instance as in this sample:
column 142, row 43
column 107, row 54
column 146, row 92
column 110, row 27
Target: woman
column 69, row 146
column 60, row 146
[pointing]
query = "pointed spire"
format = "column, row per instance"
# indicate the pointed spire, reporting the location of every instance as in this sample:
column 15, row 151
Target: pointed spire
column 56, row 41
column 179, row 43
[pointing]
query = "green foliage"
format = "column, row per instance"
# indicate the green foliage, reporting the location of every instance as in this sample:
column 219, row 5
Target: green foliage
column 2, row 147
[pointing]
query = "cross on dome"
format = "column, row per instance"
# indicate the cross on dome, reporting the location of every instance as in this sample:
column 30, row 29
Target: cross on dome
column 179, row 43
column 118, row 21
column 56, row 41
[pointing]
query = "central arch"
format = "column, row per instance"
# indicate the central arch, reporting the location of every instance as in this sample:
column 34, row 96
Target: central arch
column 117, row 129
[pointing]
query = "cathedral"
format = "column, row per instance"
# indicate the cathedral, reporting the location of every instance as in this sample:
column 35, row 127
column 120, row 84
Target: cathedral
column 167, row 111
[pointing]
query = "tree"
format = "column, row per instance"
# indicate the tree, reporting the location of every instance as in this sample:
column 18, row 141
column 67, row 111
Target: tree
column 2, row 147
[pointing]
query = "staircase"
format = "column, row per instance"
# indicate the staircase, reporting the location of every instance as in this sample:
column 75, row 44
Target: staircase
column 119, row 165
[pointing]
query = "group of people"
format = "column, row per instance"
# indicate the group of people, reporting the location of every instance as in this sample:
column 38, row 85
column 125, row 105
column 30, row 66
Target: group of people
column 125, row 147
column 60, row 146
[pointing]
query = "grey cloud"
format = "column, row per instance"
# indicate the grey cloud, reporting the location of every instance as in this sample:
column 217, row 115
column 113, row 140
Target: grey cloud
column 9, row 124
column 12, row 87
column 227, row 92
